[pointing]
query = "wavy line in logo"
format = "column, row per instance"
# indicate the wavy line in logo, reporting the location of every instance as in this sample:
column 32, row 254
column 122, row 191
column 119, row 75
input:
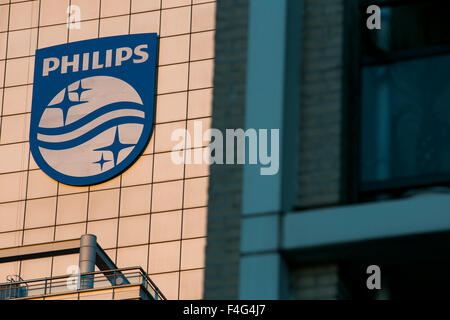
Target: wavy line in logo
column 88, row 123
column 90, row 134
column 122, row 106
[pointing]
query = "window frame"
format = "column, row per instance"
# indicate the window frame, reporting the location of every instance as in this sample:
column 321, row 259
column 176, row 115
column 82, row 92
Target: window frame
column 353, row 189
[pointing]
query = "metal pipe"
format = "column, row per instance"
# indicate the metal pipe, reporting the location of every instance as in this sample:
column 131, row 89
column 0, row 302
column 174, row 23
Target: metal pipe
column 88, row 251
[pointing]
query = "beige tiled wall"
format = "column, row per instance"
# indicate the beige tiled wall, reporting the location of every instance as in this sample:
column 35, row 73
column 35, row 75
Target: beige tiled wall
column 154, row 214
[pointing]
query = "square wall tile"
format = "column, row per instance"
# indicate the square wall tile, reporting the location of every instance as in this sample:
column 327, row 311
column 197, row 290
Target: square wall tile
column 139, row 173
column 40, row 185
column 114, row 26
column 201, row 74
column 167, row 196
column 22, row 43
column 135, row 200
column 200, row 103
column 40, row 212
column 19, row 71
column 174, row 49
column 134, row 230
column 203, row 17
column 24, row 15
column 195, row 160
column 15, row 128
column 172, row 78
column 168, row 284
column 194, row 169
column 8, row 268
column 103, row 204
column 89, row 8
column 171, row 107
column 193, row 253
column 72, row 208
column 194, row 223
column 62, row 264
column 165, row 226
column 13, row 186
column 11, row 216
column 145, row 5
column 88, row 30
column 202, row 46
column 106, row 232
column 10, row 239
column 70, row 231
column 166, row 169
column 191, row 284
column 35, row 269
column 111, row 8
column 132, row 257
column 14, row 157
column 164, row 257
column 145, row 22
column 41, row 235
column 196, row 192
column 170, row 136
column 53, row 12
column 52, row 36
column 175, row 21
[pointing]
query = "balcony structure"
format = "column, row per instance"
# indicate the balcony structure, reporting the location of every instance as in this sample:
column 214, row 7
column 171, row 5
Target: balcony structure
column 110, row 283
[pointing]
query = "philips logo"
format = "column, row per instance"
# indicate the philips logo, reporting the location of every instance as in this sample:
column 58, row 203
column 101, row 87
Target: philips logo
column 93, row 107
column 92, row 60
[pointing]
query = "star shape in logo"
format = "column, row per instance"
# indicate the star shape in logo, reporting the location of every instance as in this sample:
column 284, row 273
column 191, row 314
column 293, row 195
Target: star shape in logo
column 80, row 90
column 65, row 105
column 102, row 161
column 115, row 147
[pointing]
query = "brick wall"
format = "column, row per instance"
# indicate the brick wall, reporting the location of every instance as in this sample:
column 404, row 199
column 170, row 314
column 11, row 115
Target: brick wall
column 225, row 189
column 320, row 133
column 320, row 141
column 318, row 283
column 321, row 107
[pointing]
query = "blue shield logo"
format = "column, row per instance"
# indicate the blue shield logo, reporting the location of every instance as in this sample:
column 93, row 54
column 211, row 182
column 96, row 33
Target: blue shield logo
column 93, row 107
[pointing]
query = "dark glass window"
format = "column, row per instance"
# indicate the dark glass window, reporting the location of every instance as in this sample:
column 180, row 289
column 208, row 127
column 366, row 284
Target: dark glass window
column 406, row 26
column 405, row 97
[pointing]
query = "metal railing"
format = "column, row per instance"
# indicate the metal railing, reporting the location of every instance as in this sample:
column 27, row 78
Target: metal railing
column 77, row 283
column 11, row 289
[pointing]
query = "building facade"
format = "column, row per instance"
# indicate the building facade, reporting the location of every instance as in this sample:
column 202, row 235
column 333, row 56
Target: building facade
column 152, row 216
column 363, row 177
column 363, row 173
